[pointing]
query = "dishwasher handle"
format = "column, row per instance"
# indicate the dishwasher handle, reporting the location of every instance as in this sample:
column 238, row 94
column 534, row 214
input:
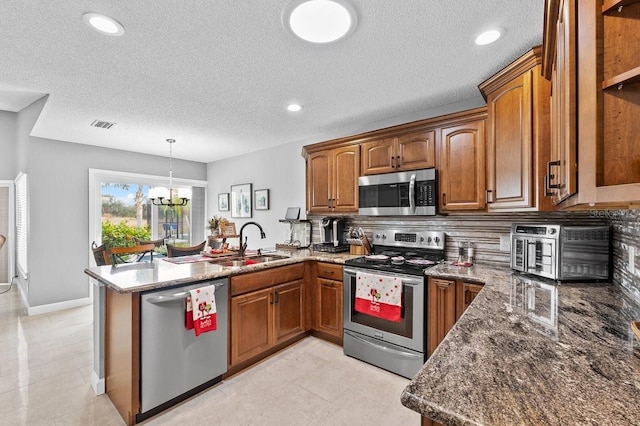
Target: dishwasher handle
column 164, row 298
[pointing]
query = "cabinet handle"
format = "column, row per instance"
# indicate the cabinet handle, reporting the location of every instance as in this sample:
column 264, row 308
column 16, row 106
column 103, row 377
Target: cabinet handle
column 444, row 199
column 271, row 299
column 331, row 285
column 398, row 162
column 551, row 176
column 277, row 297
column 393, row 162
column 328, row 272
column 489, row 196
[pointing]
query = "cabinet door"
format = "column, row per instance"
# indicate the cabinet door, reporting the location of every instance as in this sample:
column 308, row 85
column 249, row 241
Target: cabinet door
column 319, row 181
column 251, row 324
column 509, row 145
column 329, row 307
column 288, row 310
column 441, row 314
column 378, row 156
column 563, row 106
column 465, row 293
column 462, row 167
column 345, row 172
column 416, row 150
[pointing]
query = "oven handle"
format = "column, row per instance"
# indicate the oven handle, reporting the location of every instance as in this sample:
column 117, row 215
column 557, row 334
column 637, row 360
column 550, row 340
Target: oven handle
column 406, row 279
column 378, row 345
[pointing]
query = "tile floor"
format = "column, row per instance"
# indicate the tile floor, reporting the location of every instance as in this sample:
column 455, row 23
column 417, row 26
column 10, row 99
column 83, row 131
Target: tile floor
column 46, row 363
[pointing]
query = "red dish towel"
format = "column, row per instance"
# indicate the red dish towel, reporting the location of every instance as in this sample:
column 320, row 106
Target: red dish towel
column 188, row 314
column 379, row 296
column 203, row 304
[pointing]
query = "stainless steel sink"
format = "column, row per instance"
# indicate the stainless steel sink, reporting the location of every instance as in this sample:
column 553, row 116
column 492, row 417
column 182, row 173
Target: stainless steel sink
column 246, row 261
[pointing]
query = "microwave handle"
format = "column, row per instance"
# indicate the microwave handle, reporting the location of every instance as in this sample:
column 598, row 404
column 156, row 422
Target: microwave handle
column 412, row 193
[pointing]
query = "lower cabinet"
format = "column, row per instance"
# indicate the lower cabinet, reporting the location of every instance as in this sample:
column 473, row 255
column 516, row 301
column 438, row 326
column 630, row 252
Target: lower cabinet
column 447, row 300
column 328, row 301
column 267, row 308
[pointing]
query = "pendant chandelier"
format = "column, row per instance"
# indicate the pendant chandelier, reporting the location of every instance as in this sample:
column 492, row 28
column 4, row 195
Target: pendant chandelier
column 164, row 197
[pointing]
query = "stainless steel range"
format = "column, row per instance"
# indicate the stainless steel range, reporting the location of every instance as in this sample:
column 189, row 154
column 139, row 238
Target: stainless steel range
column 397, row 346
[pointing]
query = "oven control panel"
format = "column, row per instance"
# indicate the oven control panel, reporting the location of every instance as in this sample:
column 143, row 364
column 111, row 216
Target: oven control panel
column 421, row 239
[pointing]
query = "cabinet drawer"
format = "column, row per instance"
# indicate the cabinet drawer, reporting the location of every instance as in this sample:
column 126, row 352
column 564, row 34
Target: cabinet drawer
column 257, row 280
column 331, row 271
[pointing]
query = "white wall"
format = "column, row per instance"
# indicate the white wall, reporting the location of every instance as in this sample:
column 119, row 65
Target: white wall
column 281, row 170
column 8, row 145
column 59, row 205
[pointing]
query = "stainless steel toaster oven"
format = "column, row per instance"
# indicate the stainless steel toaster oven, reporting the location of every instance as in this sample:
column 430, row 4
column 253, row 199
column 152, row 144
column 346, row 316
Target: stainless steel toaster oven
column 561, row 252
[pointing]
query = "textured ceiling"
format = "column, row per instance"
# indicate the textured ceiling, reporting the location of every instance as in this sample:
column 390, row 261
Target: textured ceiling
column 217, row 75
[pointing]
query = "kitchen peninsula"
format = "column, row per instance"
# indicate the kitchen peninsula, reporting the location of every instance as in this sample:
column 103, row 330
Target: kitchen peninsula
column 118, row 347
column 532, row 352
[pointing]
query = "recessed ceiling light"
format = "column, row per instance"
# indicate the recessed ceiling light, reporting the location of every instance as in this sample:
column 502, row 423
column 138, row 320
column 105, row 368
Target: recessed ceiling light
column 103, row 24
column 294, row 107
column 319, row 21
column 488, row 37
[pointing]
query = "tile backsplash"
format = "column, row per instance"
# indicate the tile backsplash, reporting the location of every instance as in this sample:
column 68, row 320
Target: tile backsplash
column 626, row 238
column 485, row 232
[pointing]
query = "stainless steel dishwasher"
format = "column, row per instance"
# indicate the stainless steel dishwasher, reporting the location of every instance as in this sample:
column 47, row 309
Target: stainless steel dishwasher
column 176, row 364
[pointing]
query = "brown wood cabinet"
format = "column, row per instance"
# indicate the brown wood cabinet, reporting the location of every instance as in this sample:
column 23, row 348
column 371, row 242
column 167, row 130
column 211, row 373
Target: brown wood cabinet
column 328, row 301
column 518, row 135
column 606, row 100
column 122, row 352
column 267, row 308
column 560, row 68
column 461, row 164
column 409, row 151
column 332, row 180
column 465, row 293
column 447, row 300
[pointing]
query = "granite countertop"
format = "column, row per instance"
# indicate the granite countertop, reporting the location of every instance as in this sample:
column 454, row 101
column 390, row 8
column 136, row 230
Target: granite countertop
column 533, row 352
column 143, row 276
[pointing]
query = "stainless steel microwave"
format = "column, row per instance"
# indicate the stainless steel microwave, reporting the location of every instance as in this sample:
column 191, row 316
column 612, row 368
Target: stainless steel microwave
column 398, row 194
column 561, row 252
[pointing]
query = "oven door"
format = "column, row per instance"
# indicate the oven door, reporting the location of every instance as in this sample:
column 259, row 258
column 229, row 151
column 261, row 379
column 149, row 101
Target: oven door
column 409, row 332
column 534, row 255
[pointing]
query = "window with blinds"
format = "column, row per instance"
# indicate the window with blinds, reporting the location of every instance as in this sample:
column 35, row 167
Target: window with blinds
column 21, row 224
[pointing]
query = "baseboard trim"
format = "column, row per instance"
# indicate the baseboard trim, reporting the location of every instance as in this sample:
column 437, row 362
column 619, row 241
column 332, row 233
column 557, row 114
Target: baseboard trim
column 53, row 307
column 97, row 383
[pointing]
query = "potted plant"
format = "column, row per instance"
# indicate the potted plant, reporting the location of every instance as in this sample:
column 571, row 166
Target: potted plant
column 214, row 225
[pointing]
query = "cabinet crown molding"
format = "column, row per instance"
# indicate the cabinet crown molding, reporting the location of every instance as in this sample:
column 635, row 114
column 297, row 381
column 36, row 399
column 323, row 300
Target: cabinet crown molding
column 394, row 131
column 524, row 63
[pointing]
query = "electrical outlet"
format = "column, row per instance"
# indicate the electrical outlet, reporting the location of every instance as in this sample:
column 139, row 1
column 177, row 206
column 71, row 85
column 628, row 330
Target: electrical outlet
column 632, row 260
column 505, row 243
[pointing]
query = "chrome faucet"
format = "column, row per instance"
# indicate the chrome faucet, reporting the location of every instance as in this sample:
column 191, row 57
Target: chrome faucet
column 243, row 244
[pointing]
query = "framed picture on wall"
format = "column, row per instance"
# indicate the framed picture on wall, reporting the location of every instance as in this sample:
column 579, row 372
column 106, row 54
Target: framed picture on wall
column 241, row 200
column 261, row 199
column 223, row 202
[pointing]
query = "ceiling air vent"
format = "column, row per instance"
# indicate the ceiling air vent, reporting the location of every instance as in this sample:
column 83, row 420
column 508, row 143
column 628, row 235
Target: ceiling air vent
column 102, row 124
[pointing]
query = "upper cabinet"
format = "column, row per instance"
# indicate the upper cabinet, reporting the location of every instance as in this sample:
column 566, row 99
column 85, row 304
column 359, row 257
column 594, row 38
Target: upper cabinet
column 332, row 180
column 602, row 111
column 518, row 136
column 560, row 67
column 410, row 151
column 461, row 162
